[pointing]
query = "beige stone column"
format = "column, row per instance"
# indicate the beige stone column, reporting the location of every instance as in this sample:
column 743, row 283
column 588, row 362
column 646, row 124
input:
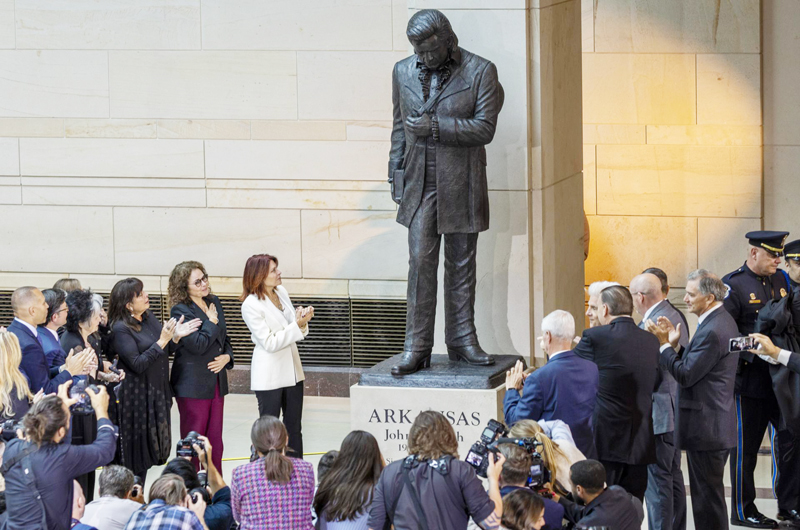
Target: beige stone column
column 531, row 259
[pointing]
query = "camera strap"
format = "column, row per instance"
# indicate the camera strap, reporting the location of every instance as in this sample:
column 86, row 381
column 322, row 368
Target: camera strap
column 423, row 521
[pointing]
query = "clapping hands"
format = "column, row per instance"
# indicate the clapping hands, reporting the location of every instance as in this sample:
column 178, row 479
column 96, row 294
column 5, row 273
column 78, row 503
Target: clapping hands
column 515, row 377
column 303, row 315
column 664, row 331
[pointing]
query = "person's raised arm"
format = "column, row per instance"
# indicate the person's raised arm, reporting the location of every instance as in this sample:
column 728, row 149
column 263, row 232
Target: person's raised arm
column 125, row 346
column 197, row 343
column 271, row 340
column 492, row 522
column 215, row 480
column 82, row 459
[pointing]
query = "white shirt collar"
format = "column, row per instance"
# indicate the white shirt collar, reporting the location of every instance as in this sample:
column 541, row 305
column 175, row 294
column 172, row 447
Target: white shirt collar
column 702, row 317
column 556, row 353
column 652, row 307
column 32, row 328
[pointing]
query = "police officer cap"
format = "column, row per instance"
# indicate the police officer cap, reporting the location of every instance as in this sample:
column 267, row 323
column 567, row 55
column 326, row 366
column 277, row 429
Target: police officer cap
column 792, row 250
column 769, row 240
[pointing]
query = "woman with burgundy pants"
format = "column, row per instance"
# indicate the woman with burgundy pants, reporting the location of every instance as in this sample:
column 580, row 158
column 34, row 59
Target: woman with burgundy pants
column 199, row 376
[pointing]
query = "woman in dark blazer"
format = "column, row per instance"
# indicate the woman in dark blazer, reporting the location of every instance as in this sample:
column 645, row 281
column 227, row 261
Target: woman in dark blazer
column 143, row 344
column 199, row 371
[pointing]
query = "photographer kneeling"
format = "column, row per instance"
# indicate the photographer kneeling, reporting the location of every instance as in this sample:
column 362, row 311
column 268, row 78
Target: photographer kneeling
column 218, row 514
column 39, row 469
column 515, row 475
column 431, row 488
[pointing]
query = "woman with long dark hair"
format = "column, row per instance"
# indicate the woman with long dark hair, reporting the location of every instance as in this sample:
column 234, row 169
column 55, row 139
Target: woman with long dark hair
column 145, row 398
column 273, row 492
column 276, row 375
column 345, row 493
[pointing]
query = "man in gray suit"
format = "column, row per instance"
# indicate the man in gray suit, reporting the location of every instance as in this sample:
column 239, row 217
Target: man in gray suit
column 665, row 495
column 706, row 373
column 446, row 101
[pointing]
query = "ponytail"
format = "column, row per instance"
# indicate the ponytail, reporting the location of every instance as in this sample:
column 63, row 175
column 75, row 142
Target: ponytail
column 44, row 419
column 269, row 437
column 277, row 467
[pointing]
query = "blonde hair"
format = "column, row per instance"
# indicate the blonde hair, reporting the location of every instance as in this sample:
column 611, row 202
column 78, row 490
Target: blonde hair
column 549, row 451
column 10, row 375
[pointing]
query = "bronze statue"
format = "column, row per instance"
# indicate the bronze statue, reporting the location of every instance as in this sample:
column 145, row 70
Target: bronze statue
column 446, row 101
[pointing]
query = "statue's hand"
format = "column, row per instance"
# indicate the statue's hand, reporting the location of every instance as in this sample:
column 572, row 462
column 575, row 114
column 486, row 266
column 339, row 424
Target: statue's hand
column 419, row 126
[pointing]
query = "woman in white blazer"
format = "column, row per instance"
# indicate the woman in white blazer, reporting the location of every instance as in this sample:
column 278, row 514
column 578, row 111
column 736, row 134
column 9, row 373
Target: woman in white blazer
column 276, row 375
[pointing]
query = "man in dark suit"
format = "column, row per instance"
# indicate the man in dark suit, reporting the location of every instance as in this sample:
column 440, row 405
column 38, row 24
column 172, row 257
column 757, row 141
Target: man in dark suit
column 627, row 359
column 30, row 310
column 666, row 495
column 564, row 389
column 706, row 373
column 446, row 101
column 599, row 507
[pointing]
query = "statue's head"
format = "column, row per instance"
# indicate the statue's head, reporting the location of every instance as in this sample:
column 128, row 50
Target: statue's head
column 433, row 38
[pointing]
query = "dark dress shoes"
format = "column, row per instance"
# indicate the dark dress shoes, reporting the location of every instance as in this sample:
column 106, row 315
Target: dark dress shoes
column 790, row 516
column 411, row 362
column 472, row 354
column 757, row 520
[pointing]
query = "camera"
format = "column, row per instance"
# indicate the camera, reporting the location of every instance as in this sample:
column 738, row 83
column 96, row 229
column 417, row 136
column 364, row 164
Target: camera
column 742, row 344
column 78, row 391
column 185, row 448
column 538, row 475
column 10, row 428
column 478, row 455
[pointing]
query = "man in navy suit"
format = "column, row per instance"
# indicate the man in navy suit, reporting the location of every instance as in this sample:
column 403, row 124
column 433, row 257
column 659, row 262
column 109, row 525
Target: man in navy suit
column 665, row 495
column 564, row 389
column 30, row 310
column 57, row 312
column 706, row 372
column 627, row 359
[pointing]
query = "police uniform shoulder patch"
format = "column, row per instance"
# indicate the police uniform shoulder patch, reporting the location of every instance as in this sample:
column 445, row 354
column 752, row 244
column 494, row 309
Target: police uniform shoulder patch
column 727, row 290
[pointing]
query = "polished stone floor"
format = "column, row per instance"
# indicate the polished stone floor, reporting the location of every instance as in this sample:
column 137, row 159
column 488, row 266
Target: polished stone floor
column 326, row 421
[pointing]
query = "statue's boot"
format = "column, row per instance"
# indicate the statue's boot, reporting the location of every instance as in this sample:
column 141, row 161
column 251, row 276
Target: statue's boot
column 471, row 354
column 412, row 361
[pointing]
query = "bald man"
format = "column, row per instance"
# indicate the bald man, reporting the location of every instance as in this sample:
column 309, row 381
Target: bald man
column 30, row 310
column 665, row 495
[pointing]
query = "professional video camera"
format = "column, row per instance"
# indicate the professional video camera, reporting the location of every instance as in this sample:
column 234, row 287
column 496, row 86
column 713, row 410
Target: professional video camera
column 78, row 391
column 185, row 448
column 10, row 428
column 478, row 455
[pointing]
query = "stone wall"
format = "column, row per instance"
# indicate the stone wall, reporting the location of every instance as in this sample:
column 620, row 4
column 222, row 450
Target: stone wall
column 672, row 134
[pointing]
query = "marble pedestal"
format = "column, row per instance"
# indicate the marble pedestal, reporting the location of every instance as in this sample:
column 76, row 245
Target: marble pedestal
column 468, row 396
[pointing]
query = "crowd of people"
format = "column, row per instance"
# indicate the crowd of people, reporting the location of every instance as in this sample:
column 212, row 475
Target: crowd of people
column 604, row 421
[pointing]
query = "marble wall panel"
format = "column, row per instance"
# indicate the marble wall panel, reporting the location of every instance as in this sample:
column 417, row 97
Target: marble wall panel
column 10, row 194
column 327, row 89
column 32, row 127
column 205, row 129
column 115, row 196
column 10, row 281
column 298, row 130
column 302, row 25
column 9, row 156
column 400, row 15
column 226, row 85
column 57, row 239
column 106, row 157
column 377, row 289
column 7, row 24
column 507, row 160
column 729, row 89
column 301, row 199
column 296, row 160
column 72, row 84
column 476, row 4
column 672, row 180
column 669, row 243
column 146, row 243
column 587, row 25
column 639, row 88
column 329, row 185
column 589, row 180
column 642, row 26
column 370, row 131
column 731, row 135
column 108, row 25
column 111, row 128
column 354, row 245
column 721, row 246
column 781, row 99
column 614, row 134
column 106, row 282
column 116, row 182
column 781, row 188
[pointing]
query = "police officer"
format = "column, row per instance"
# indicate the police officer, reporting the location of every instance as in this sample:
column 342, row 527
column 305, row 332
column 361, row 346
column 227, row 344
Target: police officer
column 750, row 287
column 791, row 255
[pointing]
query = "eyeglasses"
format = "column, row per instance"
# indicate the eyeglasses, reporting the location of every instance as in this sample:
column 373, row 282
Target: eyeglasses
column 201, row 281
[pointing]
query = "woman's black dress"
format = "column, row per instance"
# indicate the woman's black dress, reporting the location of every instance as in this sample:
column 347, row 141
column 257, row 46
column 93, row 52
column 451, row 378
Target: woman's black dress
column 145, row 398
column 84, row 426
